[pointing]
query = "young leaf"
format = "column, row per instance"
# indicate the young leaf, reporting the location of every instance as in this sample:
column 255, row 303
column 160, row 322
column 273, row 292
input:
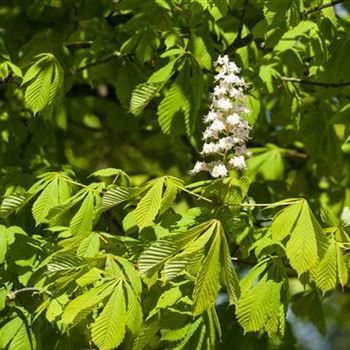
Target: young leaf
column 156, row 255
column 174, row 110
column 12, row 203
column 142, row 96
column 326, row 272
column 230, row 277
column 108, row 330
column 55, row 193
column 149, row 206
column 283, row 223
column 207, row 284
column 82, row 221
column 82, row 305
column 45, row 80
column 302, row 247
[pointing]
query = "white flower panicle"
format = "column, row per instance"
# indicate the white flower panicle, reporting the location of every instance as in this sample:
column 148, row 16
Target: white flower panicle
column 226, row 132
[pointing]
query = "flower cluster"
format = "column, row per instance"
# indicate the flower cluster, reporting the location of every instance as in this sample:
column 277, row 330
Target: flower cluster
column 226, row 132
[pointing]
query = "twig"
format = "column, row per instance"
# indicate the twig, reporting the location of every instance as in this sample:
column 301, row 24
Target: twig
column 241, row 24
column 103, row 60
column 311, row 82
column 11, row 296
column 295, row 154
column 321, row 7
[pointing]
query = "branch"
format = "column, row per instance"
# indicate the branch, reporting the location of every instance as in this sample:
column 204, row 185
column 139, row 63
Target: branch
column 11, row 296
column 316, row 83
column 321, row 7
column 239, row 41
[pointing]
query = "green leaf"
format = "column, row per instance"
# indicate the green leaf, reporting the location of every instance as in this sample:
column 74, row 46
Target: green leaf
column 142, row 96
column 163, row 74
column 284, row 221
column 259, row 306
column 326, row 272
column 302, row 247
column 115, row 196
column 134, row 315
column 55, row 193
column 207, row 283
column 3, row 243
column 108, row 330
column 343, row 273
column 150, row 204
column 166, row 299
column 230, row 277
column 146, row 335
column 12, row 203
column 89, row 246
column 174, row 110
column 82, row 305
column 9, row 331
column 45, row 80
column 24, row 339
column 159, row 252
column 82, row 221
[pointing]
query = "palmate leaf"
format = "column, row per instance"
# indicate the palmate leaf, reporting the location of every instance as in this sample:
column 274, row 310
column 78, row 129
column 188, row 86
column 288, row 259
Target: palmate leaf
column 193, row 252
column 207, row 283
column 159, row 252
column 230, row 278
column 343, row 273
column 326, row 273
column 13, row 203
column 261, row 305
column 56, row 192
column 45, row 80
column 115, row 196
column 89, row 246
column 83, row 219
column 305, row 241
column 174, row 110
column 331, row 269
column 108, row 331
column 82, row 305
column 150, row 204
column 173, row 186
column 24, row 339
column 146, row 335
column 285, row 220
column 134, row 315
column 142, row 96
column 258, row 305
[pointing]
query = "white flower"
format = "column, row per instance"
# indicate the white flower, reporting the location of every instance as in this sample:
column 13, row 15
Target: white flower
column 223, row 104
column 242, row 151
column 241, row 109
column 237, row 94
column 219, row 91
column 209, row 134
column 217, row 126
column 233, row 119
column 199, row 166
column 210, row 117
column 222, row 60
column 219, row 170
column 210, row 148
column 238, row 163
column 226, row 143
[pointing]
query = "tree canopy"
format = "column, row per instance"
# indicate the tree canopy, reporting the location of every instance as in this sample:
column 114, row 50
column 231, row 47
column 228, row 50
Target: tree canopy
column 108, row 240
